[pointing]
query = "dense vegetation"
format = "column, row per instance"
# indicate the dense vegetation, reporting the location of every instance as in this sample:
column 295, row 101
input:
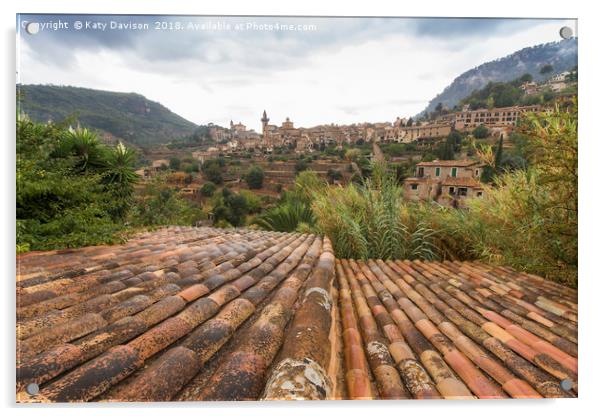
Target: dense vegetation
column 73, row 191
column 199, row 137
column 527, row 219
column 130, row 117
column 212, row 170
column 505, row 94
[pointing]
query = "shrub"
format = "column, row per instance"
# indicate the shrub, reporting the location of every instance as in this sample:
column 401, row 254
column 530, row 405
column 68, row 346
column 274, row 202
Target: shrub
column 334, row 175
column 71, row 189
column 286, row 217
column 208, row 189
column 254, row 177
column 367, row 221
column 212, row 171
column 253, row 202
column 158, row 204
column 174, row 163
column 231, row 207
column 480, row 132
column 301, row 165
column 353, row 154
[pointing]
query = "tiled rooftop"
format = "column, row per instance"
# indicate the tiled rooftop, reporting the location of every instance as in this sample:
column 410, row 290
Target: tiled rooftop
column 206, row 314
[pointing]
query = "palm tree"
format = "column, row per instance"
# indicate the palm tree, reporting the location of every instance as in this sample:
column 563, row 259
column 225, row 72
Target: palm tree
column 119, row 167
column 119, row 178
column 88, row 151
column 286, row 217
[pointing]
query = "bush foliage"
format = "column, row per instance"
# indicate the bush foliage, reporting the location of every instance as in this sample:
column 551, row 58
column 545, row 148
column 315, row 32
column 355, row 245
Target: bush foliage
column 254, row 177
column 74, row 191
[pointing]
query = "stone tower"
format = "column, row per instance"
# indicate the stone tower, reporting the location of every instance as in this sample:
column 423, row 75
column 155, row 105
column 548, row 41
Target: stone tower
column 264, row 127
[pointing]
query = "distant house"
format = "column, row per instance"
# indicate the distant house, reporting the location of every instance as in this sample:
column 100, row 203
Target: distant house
column 561, row 77
column 425, row 131
column 558, row 82
column 191, row 193
column 529, row 88
column 455, row 191
column 144, row 173
column 210, row 153
column 160, row 164
column 448, row 182
column 495, row 117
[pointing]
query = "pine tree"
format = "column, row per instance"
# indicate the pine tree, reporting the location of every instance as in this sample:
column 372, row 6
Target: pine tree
column 499, row 153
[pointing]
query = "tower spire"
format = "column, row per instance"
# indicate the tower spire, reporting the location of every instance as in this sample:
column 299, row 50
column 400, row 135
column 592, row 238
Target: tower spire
column 264, row 128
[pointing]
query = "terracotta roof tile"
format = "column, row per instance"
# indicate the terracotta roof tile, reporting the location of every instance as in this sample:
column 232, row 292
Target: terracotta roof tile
column 207, row 314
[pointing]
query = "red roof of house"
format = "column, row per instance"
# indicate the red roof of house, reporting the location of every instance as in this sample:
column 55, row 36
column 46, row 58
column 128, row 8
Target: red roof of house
column 189, row 313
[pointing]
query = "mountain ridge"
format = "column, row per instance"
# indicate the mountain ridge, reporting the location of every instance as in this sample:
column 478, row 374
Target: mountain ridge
column 562, row 55
column 124, row 116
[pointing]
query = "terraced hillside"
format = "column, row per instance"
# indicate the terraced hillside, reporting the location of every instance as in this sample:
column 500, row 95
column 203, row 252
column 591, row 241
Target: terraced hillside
column 208, row 314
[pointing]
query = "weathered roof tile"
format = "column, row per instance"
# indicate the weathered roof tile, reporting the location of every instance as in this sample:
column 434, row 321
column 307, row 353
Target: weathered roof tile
column 187, row 313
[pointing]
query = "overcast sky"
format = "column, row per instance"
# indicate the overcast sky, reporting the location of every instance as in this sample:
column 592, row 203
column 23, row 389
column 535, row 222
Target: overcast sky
column 333, row 70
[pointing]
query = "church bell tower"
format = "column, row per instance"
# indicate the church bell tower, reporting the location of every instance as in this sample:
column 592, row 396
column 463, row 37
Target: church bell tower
column 264, row 127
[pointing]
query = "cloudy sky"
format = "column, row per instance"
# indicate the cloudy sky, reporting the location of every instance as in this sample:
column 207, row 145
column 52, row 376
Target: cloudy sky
column 313, row 70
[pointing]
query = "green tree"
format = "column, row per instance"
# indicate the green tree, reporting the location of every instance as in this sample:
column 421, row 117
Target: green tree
column 174, row 163
column 254, row 203
column 480, row 132
column 159, row 204
column 546, row 69
column 452, row 144
column 208, row 189
column 334, row 175
column 212, row 170
column 89, row 154
column 552, row 150
column 71, row 189
column 506, row 96
column 301, row 165
column 499, row 154
column 119, row 178
column 231, row 207
column 254, row 177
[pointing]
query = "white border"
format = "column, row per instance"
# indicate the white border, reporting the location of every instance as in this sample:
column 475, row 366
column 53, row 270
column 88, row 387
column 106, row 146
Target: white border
column 590, row 153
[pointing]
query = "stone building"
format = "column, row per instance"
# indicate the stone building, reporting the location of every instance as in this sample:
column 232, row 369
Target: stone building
column 455, row 191
column 308, row 139
column 530, row 88
column 426, row 131
column 495, row 117
column 448, row 182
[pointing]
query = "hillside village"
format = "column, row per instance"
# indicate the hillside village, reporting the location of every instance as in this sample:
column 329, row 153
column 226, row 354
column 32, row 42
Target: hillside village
column 282, row 151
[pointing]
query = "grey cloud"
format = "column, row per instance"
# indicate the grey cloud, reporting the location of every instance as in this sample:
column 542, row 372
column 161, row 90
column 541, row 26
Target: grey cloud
column 453, row 28
column 226, row 54
column 251, row 48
